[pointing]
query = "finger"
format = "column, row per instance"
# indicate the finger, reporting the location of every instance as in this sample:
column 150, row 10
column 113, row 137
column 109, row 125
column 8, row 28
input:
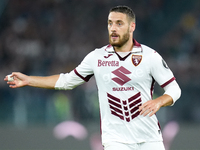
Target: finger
column 6, row 78
column 141, row 109
column 13, row 85
column 11, row 82
column 152, row 113
column 10, row 76
column 142, row 106
column 147, row 112
column 144, row 111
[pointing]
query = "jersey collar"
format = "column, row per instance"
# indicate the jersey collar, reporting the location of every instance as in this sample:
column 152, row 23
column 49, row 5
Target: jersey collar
column 136, row 48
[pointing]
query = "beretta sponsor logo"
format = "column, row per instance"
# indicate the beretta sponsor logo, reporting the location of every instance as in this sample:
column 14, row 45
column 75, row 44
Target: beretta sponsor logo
column 108, row 63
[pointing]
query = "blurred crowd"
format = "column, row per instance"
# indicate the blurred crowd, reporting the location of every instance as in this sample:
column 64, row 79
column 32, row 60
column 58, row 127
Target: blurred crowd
column 45, row 37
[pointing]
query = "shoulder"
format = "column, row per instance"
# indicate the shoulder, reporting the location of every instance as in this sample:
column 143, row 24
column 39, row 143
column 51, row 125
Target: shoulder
column 147, row 49
column 96, row 53
column 150, row 51
column 99, row 50
column 102, row 49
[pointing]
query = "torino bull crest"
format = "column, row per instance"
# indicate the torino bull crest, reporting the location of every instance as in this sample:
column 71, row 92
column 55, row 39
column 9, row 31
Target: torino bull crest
column 136, row 59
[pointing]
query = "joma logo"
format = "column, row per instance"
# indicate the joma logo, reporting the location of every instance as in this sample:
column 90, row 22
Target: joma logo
column 121, row 78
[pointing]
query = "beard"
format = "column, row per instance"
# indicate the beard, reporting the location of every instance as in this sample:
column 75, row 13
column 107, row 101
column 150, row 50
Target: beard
column 121, row 41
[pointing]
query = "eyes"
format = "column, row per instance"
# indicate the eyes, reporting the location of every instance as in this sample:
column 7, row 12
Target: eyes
column 118, row 23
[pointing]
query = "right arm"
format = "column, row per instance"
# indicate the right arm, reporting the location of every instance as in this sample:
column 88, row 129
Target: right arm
column 21, row 80
column 66, row 81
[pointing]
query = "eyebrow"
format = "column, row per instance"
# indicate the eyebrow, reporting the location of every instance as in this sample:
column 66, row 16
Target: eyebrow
column 115, row 21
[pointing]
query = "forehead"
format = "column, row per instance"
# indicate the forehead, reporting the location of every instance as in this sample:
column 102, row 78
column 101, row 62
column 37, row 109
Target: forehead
column 117, row 16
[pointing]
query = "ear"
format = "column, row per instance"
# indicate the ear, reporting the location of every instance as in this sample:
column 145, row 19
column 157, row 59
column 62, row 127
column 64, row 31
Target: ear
column 132, row 27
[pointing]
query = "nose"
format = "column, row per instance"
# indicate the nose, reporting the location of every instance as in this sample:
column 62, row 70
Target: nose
column 113, row 27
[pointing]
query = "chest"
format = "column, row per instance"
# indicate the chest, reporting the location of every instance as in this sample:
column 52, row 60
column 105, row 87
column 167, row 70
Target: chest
column 112, row 68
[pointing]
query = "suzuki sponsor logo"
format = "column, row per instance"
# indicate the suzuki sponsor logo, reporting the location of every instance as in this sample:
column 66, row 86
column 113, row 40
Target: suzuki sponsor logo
column 123, row 89
column 121, row 73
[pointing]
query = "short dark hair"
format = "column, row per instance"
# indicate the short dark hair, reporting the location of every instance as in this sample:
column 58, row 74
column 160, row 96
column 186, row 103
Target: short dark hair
column 125, row 10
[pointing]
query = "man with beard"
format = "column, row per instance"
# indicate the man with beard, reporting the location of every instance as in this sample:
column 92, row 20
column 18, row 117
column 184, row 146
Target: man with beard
column 125, row 73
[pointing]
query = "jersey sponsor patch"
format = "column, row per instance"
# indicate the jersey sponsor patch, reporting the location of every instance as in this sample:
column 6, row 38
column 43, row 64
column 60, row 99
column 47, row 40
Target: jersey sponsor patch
column 123, row 88
column 121, row 73
column 136, row 59
column 165, row 64
column 126, row 110
column 112, row 63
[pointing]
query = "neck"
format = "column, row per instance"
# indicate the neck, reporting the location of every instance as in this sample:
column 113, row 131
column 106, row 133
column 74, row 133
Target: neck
column 127, row 47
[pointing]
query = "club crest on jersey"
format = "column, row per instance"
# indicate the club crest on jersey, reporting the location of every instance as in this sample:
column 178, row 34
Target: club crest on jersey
column 136, row 59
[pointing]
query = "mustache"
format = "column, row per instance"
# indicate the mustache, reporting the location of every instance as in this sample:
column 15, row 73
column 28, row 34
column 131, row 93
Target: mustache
column 114, row 34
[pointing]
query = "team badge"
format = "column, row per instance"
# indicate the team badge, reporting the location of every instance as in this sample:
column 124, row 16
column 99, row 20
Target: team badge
column 136, row 59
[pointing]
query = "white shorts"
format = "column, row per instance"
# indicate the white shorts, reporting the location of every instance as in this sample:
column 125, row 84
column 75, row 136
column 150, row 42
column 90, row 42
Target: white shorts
column 137, row 146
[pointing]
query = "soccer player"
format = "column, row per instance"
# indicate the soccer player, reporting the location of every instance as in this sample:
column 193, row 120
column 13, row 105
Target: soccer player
column 125, row 73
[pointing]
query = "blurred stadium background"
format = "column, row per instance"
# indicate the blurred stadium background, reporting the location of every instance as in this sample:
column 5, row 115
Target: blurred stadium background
column 45, row 37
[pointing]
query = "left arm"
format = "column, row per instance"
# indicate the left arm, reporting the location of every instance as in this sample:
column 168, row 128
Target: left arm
column 152, row 106
column 172, row 93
